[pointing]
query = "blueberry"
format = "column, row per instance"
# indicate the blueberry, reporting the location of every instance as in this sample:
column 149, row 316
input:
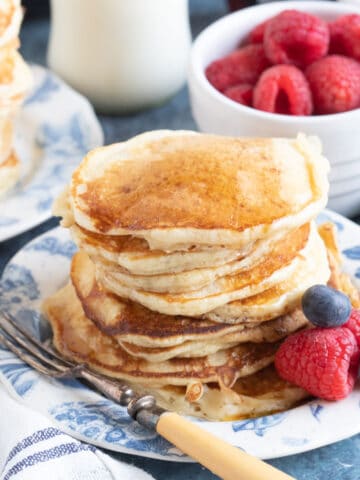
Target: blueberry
column 326, row 307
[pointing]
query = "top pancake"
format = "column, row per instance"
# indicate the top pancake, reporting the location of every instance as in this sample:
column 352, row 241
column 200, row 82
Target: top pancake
column 177, row 189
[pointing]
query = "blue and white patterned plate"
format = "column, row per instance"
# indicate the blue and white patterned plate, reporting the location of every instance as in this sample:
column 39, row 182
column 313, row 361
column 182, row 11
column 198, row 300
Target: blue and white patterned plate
column 42, row 266
column 55, row 128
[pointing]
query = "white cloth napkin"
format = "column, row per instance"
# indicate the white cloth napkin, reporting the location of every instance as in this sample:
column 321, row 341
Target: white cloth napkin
column 32, row 448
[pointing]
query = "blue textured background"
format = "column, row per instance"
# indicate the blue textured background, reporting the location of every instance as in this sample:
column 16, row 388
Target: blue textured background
column 335, row 462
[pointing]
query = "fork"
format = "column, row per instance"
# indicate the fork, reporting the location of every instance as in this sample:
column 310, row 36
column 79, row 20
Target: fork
column 223, row 459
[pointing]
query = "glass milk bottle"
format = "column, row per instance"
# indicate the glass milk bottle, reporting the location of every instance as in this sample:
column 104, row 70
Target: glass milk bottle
column 124, row 55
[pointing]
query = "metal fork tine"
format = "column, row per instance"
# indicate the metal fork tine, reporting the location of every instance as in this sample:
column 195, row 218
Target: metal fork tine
column 35, row 351
column 31, row 351
column 29, row 359
column 34, row 340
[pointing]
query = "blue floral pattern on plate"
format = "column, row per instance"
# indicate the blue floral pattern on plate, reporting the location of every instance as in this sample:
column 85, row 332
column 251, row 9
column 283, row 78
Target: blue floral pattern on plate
column 316, row 410
column 53, row 246
column 353, row 253
column 54, row 130
column 259, row 425
column 20, row 375
column 44, row 89
column 88, row 416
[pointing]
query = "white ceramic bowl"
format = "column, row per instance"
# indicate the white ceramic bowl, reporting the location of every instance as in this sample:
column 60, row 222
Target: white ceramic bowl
column 215, row 113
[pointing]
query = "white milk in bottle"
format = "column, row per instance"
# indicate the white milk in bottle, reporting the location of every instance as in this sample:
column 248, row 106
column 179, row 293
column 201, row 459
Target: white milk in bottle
column 124, row 55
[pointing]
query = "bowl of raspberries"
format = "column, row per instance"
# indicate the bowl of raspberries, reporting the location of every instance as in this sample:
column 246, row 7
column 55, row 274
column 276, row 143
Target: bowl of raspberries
column 278, row 69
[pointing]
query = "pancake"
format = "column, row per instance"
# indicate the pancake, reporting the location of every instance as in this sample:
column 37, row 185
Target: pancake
column 77, row 338
column 9, row 173
column 11, row 14
column 134, row 256
column 15, row 82
column 269, row 332
column 6, row 140
column 157, row 337
column 192, row 349
column 259, row 394
column 339, row 280
column 279, row 299
column 198, row 278
column 275, row 268
column 178, row 189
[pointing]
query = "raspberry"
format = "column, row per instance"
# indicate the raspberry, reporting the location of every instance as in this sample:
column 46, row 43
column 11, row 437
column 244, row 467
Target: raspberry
column 283, row 89
column 353, row 324
column 257, row 34
column 335, row 84
column 345, row 36
column 296, row 37
column 240, row 93
column 322, row 361
column 242, row 66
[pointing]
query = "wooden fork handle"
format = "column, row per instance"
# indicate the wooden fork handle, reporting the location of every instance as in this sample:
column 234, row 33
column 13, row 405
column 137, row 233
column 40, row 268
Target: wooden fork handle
column 224, row 460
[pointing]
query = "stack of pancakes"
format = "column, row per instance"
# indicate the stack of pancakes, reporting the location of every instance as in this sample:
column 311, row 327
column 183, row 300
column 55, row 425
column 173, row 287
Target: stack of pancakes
column 194, row 252
column 15, row 81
